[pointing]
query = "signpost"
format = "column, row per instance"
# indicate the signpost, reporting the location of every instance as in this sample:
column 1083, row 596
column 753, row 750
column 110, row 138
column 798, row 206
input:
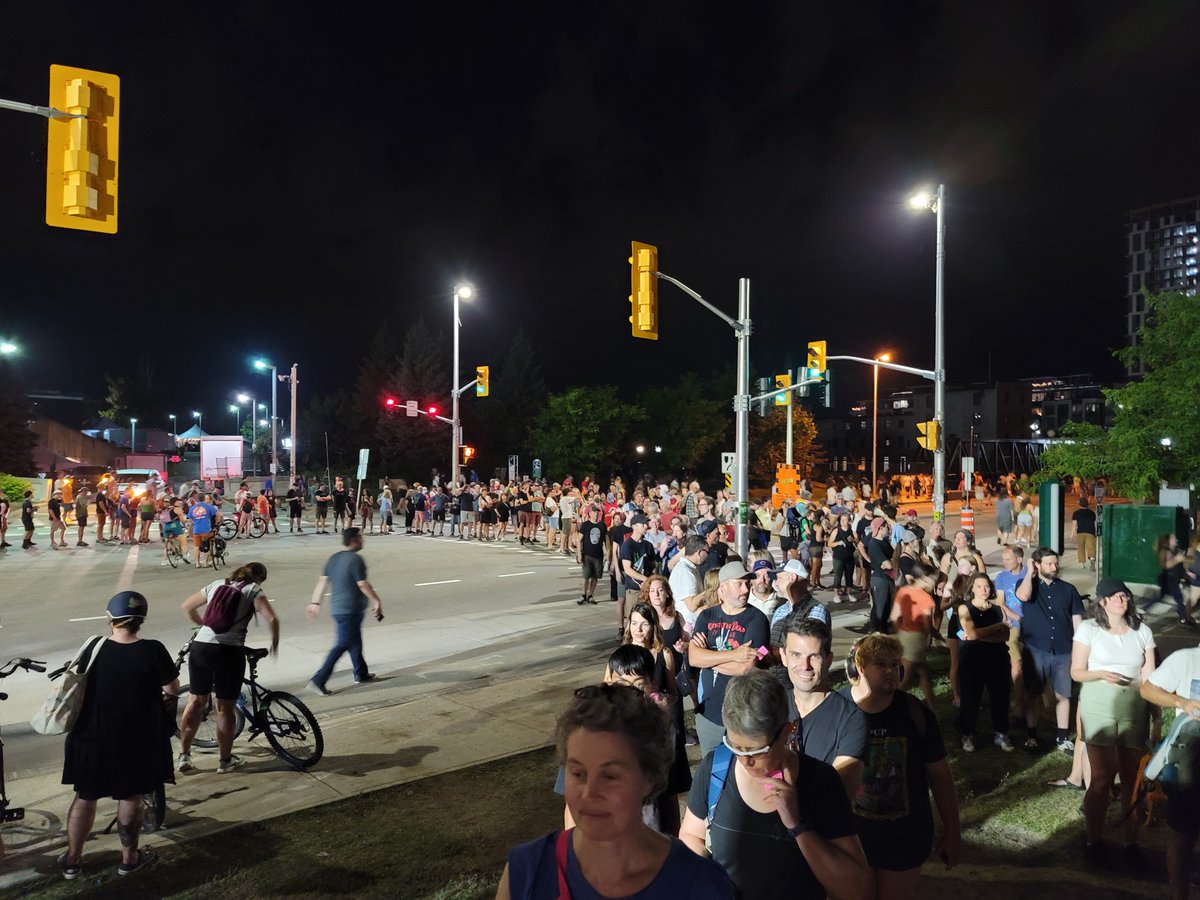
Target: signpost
column 728, row 464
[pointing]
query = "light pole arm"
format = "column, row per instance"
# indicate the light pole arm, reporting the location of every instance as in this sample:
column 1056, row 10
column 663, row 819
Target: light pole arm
column 789, row 389
column 895, row 367
column 470, row 384
column 728, row 320
column 48, row 112
column 435, row 416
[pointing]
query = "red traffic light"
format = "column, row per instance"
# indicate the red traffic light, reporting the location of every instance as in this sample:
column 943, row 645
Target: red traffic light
column 389, row 402
column 433, row 410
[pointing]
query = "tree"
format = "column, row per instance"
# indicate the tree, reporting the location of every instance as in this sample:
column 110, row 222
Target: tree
column 686, row 421
column 141, row 394
column 1155, row 435
column 768, row 442
column 582, row 430
column 16, row 413
column 498, row 424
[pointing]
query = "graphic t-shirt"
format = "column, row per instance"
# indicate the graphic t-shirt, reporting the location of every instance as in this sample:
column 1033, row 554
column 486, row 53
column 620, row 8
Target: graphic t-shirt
column 892, row 806
column 722, row 631
column 591, row 539
column 201, row 514
column 641, row 555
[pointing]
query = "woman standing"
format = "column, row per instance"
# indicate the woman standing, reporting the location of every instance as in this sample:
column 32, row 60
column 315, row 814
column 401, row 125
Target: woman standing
column 120, row 746
column 816, row 548
column 957, row 590
column 841, row 545
column 1111, row 656
column 366, row 510
column 983, row 662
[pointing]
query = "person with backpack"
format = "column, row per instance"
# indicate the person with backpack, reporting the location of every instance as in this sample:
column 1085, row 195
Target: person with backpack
column 1176, row 685
column 217, row 660
column 777, row 821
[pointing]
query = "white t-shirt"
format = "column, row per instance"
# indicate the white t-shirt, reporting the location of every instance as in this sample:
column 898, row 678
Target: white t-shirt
column 1124, row 654
column 765, row 606
column 1180, row 674
column 236, row 637
column 685, row 582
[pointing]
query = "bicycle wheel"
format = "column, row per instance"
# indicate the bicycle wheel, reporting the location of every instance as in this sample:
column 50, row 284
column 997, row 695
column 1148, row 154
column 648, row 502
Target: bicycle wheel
column 156, row 809
column 227, row 529
column 173, row 555
column 206, row 733
column 292, row 730
column 258, row 527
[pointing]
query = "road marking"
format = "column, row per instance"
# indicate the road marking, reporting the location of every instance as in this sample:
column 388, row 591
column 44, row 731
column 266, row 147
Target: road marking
column 88, row 619
column 126, row 577
column 514, row 574
column 430, row 583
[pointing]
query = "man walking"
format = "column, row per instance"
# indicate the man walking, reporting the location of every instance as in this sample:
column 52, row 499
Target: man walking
column 1053, row 610
column 81, row 513
column 1083, row 529
column 345, row 576
column 590, row 553
column 28, row 508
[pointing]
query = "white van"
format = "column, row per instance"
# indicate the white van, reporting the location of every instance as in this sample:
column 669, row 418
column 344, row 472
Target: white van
column 138, row 479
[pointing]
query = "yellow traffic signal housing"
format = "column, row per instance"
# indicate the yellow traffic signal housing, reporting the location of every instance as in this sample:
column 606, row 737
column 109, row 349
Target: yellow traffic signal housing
column 816, row 359
column 930, row 434
column 643, row 290
column 81, row 151
column 482, row 387
column 783, row 381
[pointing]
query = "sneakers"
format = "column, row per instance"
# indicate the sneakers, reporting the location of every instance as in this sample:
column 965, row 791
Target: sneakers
column 69, row 870
column 1066, row 745
column 582, row 601
column 592, row 600
column 370, row 676
column 228, row 765
column 144, row 858
column 184, row 763
column 1004, row 743
column 314, row 688
column 968, row 744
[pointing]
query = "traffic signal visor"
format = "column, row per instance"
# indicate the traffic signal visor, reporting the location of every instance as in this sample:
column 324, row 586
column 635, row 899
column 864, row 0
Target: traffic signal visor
column 643, row 290
column 481, row 381
column 81, row 151
column 816, row 359
column 783, row 381
column 929, row 434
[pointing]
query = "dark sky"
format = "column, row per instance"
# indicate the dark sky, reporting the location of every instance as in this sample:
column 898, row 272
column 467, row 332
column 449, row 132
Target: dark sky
column 294, row 175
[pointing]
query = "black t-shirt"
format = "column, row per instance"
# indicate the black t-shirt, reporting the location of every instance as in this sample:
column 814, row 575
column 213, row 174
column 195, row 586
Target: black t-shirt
column 641, row 555
column 27, row 510
column 835, row 728
column 322, row 497
column 1085, row 521
column 754, row 848
column 718, row 553
column 722, row 631
column 523, row 505
column 591, row 539
column 54, row 507
column 878, row 552
column 617, row 535
column 892, row 806
column 340, row 496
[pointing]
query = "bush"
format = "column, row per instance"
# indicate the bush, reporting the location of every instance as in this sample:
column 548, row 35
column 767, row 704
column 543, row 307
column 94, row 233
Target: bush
column 13, row 487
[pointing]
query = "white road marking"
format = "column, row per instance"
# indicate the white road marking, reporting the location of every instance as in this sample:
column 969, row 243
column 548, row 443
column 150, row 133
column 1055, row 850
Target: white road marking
column 429, row 583
column 88, row 619
column 126, row 577
column 514, row 574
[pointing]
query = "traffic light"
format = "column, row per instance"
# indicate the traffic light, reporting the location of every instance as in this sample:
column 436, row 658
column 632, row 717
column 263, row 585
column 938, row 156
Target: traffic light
column 433, row 410
column 930, row 434
column 81, row 151
column 816, row 359
column 783, row 381
column 827, row 399
column 481, row 381
column 643, row 290
column 389, row 403
column 468, row 453
column 760, row 406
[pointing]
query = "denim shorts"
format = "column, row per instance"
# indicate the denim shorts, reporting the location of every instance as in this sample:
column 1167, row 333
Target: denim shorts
column 1039, row 667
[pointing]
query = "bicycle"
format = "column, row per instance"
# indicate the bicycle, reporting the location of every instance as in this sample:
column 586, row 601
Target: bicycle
column 288, row 725
column 214, row 545
column 228, row 528
column 13, row 813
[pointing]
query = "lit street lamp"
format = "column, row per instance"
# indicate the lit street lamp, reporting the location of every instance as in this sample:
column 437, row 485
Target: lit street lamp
column 171, row 416
column 237, row 411
column 882, row 357
column 8, row 348
column 640, row 448
column 132, row 435
column 937, row 204
column 1166, row 442
column 262, row 365
column 461, row 292
column 199, row 417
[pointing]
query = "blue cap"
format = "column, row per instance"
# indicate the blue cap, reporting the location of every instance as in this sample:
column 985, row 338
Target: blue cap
column 127, row 605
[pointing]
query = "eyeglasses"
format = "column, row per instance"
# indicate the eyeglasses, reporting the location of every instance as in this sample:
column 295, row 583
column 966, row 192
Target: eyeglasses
column 762, row 751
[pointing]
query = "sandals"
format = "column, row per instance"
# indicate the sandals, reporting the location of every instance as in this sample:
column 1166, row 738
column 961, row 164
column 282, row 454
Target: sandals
column 69, row 870
column 1065, row 784
column 145, row 857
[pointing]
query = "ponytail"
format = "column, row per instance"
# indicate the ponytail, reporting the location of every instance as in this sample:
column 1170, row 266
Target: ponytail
column 251, row 571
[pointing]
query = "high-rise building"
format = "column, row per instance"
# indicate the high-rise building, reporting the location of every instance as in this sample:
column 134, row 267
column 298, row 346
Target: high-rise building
column 1162, row 255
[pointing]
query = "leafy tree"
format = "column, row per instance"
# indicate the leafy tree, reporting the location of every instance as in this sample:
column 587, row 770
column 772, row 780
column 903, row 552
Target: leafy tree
column 1155, row 435
column 768, row 442
column 16, row 412
column 686, row 421
column 141, row 394
column 584, row 429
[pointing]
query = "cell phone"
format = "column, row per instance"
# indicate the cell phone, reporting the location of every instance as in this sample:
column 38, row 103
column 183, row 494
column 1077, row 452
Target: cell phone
column 762, row 652
column 766, row 786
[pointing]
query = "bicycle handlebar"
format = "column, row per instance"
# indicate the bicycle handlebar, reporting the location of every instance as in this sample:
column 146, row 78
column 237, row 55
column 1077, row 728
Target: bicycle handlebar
column 31, row 665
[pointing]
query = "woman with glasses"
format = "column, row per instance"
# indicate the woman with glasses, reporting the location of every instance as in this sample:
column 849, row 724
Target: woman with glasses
column 614, row 744
column 779, row 823
column 906, row 760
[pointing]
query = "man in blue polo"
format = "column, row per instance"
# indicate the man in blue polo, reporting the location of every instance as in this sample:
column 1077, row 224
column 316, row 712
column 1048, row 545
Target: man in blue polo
column 1053, row 610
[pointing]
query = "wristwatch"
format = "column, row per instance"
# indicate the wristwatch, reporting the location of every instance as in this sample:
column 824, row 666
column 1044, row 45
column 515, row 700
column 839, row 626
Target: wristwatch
column 797, row 830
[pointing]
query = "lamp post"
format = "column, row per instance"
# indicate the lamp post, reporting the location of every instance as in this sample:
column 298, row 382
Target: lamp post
column 132, row 435
column 937, row 204
column 882, row 357
column 237, row 411
column 199, row 417
column 461, row 292
column 171, row 416
column 262, row 365
column 8, row 348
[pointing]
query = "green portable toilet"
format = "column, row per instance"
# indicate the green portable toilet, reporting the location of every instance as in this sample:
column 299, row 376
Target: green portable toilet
column 1130, row 539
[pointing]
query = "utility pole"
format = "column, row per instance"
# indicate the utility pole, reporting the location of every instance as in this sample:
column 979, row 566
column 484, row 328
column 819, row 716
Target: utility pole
column 939, row 364
column 741, row 404
column 295, row 379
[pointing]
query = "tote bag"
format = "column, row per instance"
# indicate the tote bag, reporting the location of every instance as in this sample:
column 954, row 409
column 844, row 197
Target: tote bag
column 58, row 713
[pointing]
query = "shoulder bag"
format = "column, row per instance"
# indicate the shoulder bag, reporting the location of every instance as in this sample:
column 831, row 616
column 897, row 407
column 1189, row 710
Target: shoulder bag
column 60, row 710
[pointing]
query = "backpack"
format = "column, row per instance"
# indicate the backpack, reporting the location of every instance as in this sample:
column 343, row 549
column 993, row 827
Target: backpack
column 221, row 612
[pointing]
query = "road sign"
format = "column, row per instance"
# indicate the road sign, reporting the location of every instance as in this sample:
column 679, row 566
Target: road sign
column 968, row 470
column 363, row 455
column 728, row 464
column 410, row 409
column 514, row 463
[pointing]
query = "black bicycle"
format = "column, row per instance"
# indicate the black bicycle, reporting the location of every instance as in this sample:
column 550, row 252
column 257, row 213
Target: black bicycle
column 282, row 718
column 13, row 813
column 229, row 527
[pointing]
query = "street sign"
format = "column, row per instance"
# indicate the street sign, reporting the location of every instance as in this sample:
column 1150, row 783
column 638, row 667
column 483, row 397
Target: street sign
column 410, row 409
column 537, row 469
column 514, row 463
column 968, row 471
column 363, row 455
column 728, row 464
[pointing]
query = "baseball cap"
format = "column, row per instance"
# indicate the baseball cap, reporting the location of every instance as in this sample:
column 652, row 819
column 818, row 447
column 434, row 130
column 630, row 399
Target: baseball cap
column 126, row 605
column 910, row 512
column 1109, row 586
column 761, row 565
column 706, row 527
column 732, row 571
column 796, row 568
column 638, row 519
column 878, row 521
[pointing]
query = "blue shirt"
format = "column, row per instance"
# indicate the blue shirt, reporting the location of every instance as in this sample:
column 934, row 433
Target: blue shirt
column 201, row 515
column 533, row 875
column 344, row 571
column 1007, row 582
column 1047, row 624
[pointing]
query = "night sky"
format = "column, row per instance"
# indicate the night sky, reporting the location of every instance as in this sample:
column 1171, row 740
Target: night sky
column 293, row 176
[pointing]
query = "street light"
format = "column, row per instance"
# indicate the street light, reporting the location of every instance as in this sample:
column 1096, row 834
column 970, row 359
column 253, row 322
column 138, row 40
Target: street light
column 461, row 292
column 132, row 435
column 937, row 204
column 882, row 357
column 262, row 365
column 1166, row 442
column 640, row 448
column 199, row 417
column 171, row 416
column 8, row 348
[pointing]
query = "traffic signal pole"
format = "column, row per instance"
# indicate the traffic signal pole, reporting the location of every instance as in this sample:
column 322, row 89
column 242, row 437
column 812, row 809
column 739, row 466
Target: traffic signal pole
column 939, row 365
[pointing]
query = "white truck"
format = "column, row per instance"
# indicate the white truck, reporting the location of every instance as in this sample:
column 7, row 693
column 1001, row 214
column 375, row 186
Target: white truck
column 221, row 456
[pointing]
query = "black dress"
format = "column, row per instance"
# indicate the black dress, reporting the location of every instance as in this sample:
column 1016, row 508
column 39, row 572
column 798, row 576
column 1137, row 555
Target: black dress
column 121, row 744
column 679, row 777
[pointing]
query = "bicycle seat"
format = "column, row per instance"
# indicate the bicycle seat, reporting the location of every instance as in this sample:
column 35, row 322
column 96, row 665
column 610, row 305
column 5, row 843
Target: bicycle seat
column 256, row 653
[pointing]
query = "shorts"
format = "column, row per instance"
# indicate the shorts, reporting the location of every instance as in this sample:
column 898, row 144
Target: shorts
column 216, row 669
column 1183, row 809
column 27, row 523
column 1014, row 645
column 914, row 644
column 322, row 510
column 1113, row 715
column 593, row 566
column 525, row 518
column 467, row 516
column 1004, row 526
column 1039, row 667
column 439, row 515
column 173, row 529
column 100, row 518
column 1024, row 520
column 199, row 539
column 146, row 517
column 81, row 521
